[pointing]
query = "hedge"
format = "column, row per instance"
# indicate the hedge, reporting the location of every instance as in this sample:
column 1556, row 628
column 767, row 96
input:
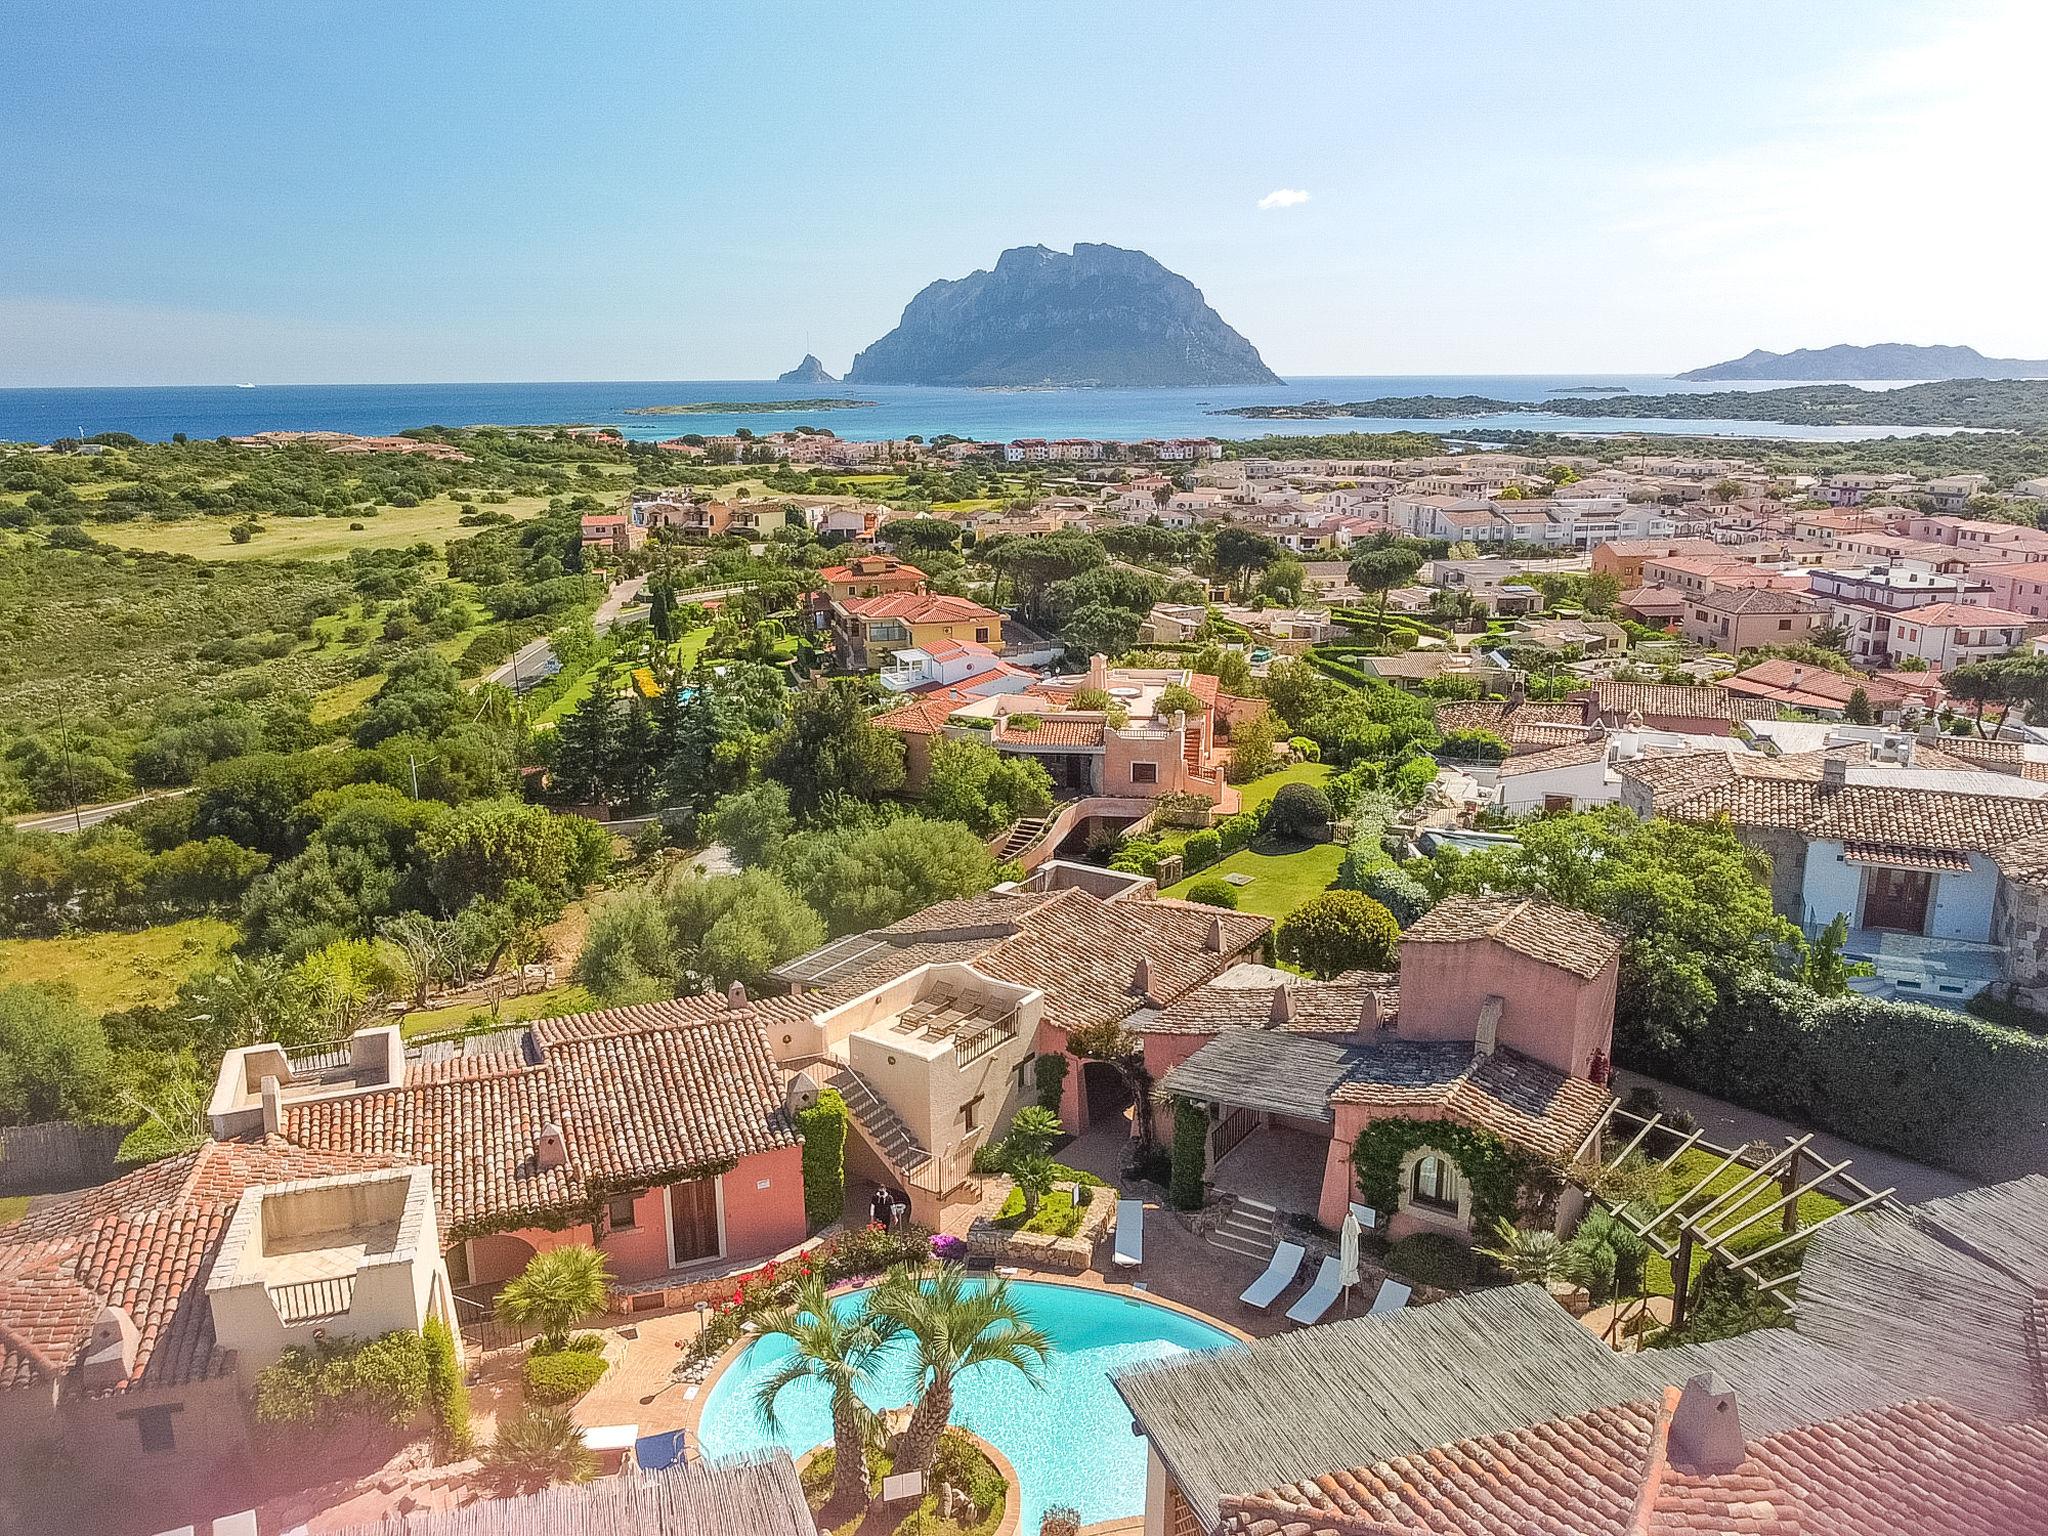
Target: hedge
column 1190, row 1155
column 1910, row 1078
column 823, row 1129
column 562, row 1375
column 1049, row 1073
column 447, row 1395
column 1201, row 850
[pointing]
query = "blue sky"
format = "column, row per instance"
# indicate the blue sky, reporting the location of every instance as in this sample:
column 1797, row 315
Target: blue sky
column 456, row 191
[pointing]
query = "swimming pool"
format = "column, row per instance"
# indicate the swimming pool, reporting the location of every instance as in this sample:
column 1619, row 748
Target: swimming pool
column 1070, row 1442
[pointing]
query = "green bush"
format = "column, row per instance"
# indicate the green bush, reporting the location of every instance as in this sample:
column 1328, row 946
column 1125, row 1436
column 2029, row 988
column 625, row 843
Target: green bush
column 381, row 1380
column 1200, row 851
column 1190, row 1154
column 1056, row 1216
column 1307, row 748
column 562, row 1375
column 1049, row 1072
column 1236, row 832
column 823, row 1129
column 1140, row 856
column 1300, row 812
column 1214, row 892
column 1338, row 931
column 447, row 1395
column 1431, row 1258
column 1398, row 891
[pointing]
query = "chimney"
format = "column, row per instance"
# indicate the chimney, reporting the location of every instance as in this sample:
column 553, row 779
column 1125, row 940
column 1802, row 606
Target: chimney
column 1141, row 976
column 1098, row 671
column 1283, row 1005
column 1372, row 1017
column 1705, row 1437
column 272, row 1093
column 110, row 1352
column 736, row 997
column 1834, row 774
column 1214, row 943
column 1487, row 1033
column 550, row 1150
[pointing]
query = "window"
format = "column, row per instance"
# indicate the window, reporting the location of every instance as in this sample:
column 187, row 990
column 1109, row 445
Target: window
column 1027, row 1074
column 1435, row 1183
column 981, row 635
column 458, row 1264
column 618, row 1212
column 1144, row 773
column 156, row 1430
column 1784, row 623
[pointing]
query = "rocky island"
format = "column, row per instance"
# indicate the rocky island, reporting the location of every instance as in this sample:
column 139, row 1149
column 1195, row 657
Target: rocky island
column 748, row 407
column 1886, row 361
column 809, row 371
column 1102, row 316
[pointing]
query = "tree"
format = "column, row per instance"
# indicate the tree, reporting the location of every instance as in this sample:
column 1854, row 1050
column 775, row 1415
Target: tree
column 627, row 955
column 1100, row 611
column 1295, row 690
column 1284, row 580
column 1178, row 698
column 583, row 753
column 753, row 823
column 1339, row 931
column 1300, row 812
column 1600, row 591
column 556, row 1291
column 1251, row 748
column 1033, row 565
column 1033, row 1130
column 1379, row 568
column 1239, row 551
column 727, row 928
column 421, row 696
column 839, row 1353
column 536, row 1447
column 1535, row 1257
column 953, row 1323
column 487, row 845
column 830, row 747
column 982, row 788
column 1858, row 710
column 1034, row 1174
column 869, row 877
column 54, row 1061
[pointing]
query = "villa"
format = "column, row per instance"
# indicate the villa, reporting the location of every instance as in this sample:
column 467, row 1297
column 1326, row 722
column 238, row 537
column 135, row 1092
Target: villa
column 868, row 631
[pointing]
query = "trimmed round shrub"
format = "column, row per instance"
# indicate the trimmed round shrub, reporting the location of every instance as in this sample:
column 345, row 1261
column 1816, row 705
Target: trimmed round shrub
column 1339, row 931
column 1299, row 811
column 1200, row 851
column 1398, row 891
column 562, row 1375
column 1214, row 892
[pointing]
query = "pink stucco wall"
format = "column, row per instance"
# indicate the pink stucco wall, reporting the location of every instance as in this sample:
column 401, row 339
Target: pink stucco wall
column 1340, row 1186
column 759, row 1221
column 1548, row 1013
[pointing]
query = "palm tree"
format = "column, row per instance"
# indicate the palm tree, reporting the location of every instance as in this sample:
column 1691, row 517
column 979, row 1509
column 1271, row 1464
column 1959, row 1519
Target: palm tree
column 556, row 1291
column 537, row 1447
column 1538, row 1257
column 839, row 1352
column 956, row 1323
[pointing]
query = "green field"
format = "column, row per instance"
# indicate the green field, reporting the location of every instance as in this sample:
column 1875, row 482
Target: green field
column 311, row 538
column 553, row 1003
column 120, row 970
column 1281, row 881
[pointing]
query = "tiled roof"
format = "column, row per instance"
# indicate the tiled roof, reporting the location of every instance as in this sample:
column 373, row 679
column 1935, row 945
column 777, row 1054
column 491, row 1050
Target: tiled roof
column 641, row 1094
column 1962, row 616
column 1571, row 754
column 1697, row 701
column 918, row 717
column 1339, row 1007
column 1779, row 679
column 1052, row 731
column 918, row 608
column 144, row 1243
column 1739, row 600
column 1543, row 930
column 1524, row 725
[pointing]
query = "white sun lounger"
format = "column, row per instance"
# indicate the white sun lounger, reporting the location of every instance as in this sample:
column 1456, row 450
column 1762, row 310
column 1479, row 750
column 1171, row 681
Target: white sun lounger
column 1279, row 1275
column 1393, row 1296
column 1315, row 1301
column 1130, row 1233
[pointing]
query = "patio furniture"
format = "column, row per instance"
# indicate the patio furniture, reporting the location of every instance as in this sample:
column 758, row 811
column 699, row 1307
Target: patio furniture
column 613, row 1444
column 657, row 1453
column 1130, row 1233
column 1315, row 1301
column 1280, row 1273
column 1393, row 1297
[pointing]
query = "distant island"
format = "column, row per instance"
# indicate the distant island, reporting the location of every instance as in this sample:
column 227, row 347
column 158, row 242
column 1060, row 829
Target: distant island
column 1885, row 361
column 809, row 371
column 749, row 407
column 2014, row 405
column 1102, row 317
column 1593, row 389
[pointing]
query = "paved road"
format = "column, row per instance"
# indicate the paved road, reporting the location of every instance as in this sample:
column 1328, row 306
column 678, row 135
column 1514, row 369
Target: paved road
column 89, row 815
column 1731, row 1125
column 535, row 661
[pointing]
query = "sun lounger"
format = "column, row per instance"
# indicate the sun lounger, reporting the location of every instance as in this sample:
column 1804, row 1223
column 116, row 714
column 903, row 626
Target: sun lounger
column 1315, row 1301
column 1367, row 1216
column 1393, row 1296
column 1279, row 1275
column 1130, row 1233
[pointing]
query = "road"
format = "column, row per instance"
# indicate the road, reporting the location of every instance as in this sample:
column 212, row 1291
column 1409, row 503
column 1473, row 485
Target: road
column 535, row 662
column 88, row 815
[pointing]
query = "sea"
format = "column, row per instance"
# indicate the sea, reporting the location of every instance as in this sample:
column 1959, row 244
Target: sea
column 42, row 415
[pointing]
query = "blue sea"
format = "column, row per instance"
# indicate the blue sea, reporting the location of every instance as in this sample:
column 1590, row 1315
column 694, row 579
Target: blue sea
column 40, row 415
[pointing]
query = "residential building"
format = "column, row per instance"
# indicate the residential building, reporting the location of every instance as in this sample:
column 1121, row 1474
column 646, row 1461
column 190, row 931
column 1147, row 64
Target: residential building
column 2018, row 588
column 1498, row 1414
column 869, row 576
column 951, row 664
column 1862, row 602
column 1691, row 709
column 1659, row 607
column 1740, row 620
column 867, row 631
column 1574, row 776
column 1623, row 559
column 1815, row 690
column 612, row 532
column 1946, row 635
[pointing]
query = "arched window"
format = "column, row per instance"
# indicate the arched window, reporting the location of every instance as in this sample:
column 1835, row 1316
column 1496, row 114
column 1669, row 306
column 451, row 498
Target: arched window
column 1435, row 1183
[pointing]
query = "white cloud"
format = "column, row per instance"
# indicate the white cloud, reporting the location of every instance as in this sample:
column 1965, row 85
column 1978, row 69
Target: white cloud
column 1284, row 197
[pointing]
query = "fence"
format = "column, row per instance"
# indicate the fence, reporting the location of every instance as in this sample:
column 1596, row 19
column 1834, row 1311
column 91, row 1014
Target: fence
column 57, row 1155
column 482, row 1328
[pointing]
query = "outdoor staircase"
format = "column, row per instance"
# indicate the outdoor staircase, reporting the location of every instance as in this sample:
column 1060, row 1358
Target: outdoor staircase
column 1191, row 748
column 1248, row 1230
column 880, row 1126
column 1022, row 835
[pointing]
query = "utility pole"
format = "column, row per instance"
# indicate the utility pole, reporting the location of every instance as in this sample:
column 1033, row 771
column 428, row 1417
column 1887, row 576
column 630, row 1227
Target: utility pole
column 70, row 773
column 415, row 763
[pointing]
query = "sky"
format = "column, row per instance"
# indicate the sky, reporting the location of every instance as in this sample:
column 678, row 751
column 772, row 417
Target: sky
column 357, row 192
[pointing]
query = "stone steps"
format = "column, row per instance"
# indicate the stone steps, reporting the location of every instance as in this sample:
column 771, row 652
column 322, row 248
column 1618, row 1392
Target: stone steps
column 1248, row 1230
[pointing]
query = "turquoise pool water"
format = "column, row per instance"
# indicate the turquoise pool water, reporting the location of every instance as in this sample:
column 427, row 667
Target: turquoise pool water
column 1070, row 1440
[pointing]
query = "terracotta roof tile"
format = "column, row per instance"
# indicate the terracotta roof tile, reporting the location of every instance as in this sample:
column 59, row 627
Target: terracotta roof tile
column 1543, row 930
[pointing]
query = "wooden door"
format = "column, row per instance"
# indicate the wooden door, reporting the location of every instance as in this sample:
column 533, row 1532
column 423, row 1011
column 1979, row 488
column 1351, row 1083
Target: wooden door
column 1897, row 899
column 693, row 1220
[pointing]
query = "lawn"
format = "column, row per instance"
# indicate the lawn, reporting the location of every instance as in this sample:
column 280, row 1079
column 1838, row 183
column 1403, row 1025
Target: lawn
column 1282, row 877
column 312, row 538
column 553, row 1003
column 12, row 1208
column 1693, row 1166
column 120, row 970
column 691, row 646
column 1261, row 790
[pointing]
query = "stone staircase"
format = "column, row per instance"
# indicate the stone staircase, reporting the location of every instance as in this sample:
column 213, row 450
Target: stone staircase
column 880, row 1126
column 1248, row 1230
column 1022, row 835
